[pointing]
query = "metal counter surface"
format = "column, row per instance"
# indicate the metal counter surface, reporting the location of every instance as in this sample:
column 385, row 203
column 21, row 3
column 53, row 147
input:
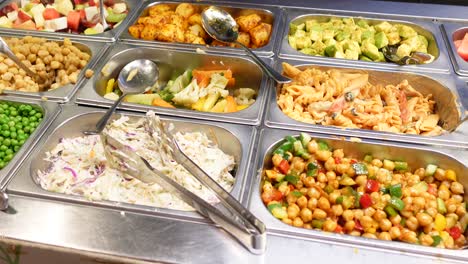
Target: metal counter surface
column 135, row 236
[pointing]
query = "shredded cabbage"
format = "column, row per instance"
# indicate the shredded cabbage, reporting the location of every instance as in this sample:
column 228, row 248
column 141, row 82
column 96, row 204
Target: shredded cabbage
column 96, row 180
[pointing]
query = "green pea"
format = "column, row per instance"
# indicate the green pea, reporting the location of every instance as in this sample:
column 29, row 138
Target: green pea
column 39, row 120
column 4, row 106
column 32, row 112
column 20, row 132
column 33, row 119
column 14, row 113
column 3, row 148
column 6, row 142
column 9, row 151
column 12, row 129
column 6, row 133
column 8, row 157
column 18, row 126
column 28, row 108
column 14, row 142
column 16, row 148
column 21, row 142
column 25, row 123
column 2, row 154
column 2, row 164
column 13, row 135
column 1, row 139
column 5, row 127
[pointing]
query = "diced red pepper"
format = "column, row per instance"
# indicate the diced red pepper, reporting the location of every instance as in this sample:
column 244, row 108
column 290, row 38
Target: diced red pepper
column 337, row 160
column 365, row 201
column 372, row 186
column 338, row 229
column 291, row 187
column 353, row 161
column 283, row 166
column 358, row 225
column 432, row 189
column 455, row 232
column 273, row 195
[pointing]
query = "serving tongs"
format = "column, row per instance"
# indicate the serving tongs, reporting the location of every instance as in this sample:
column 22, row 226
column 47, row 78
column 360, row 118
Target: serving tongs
column 229, row 214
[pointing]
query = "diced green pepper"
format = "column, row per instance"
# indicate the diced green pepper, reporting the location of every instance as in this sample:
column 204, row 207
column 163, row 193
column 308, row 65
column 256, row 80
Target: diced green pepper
column 296, row 193
column 291, row 179
column 286, row 146
column 317, row 223
column 420, row 187
column 299, row 150
column 277, row 210
column 291, row 139
column 339, row 200
column 441, row 206
column 312, row 169
column 368, row 158
column 437, row 240
column 360, row 168
column 322, row 145
column 430, row 170
column 390, row 211
column 397, row 203
column 401, row 165
column 403, row 222
column 384, row 190
column 328, row 189
column 280, row 177
column 395, row 190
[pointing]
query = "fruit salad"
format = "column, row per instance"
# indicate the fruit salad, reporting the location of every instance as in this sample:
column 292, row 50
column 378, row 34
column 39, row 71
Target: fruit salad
column 71, row 16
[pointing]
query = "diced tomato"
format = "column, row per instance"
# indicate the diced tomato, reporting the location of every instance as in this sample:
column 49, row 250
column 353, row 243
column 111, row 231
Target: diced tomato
column 92, row 3
column 403, row 104
column 291, row 187
column 455, row 232
column 73, row 20
column 338, row 229
column 357, row 225
column 463, row 49
column 365, row 201
column 372, row 186
column 432, row 189
column 284, row 166
column 353, row 161
column 457, row 43
column 337, row 160
column 50, row 13
column 82, row 14
column 273, row 195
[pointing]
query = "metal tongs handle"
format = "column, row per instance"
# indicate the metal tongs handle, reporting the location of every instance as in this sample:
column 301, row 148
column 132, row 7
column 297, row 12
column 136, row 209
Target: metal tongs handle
column 249, row 232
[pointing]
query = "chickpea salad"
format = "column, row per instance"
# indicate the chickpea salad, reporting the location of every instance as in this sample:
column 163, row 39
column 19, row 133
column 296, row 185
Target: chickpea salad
column 313, row 186
column 78, row 166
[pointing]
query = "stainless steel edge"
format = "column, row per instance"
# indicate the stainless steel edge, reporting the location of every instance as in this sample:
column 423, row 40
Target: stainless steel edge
column 107, row 36
column 270, row 137
column 460, row 66
column 440, row 64
column 275, row 118
column 22, row 182
column 251, row 115
column 267, row 50
column 64, row 93
column 50, row 112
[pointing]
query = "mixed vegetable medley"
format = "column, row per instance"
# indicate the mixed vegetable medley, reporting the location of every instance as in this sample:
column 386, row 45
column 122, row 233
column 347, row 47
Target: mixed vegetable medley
column 201, row 90
column 312, row 185
column 355, row 40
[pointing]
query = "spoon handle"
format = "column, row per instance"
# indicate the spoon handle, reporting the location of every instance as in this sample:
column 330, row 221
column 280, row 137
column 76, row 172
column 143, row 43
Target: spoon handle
column 7, row 51
column 101, row 124
column 102, row 15
column 265, row 67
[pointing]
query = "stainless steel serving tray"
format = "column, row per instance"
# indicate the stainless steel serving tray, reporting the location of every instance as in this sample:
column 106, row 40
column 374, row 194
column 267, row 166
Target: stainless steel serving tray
column 107, row 36
column 424, row 27
column 64, row 93
column 247, row 74
column 415, row 156
column 271, row 14
column 50, row 112
column 233, row 139
column 453, row 32
column 444, row 88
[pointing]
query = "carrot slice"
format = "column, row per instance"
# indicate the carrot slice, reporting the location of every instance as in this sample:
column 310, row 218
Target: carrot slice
column 162, row 103
column 231, row 104
column 203, row 77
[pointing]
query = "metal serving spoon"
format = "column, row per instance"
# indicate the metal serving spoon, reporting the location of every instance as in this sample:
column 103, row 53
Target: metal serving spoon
column 3, row 200
column 415, row 58
column 101, row 13
column 220, row 25
column 36, row 77
column 134, row 78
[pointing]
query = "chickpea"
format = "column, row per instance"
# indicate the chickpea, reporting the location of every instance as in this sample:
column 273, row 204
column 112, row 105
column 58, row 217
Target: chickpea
column 385, row 224
column 366, row 221
column 461, row 210
column 361, row 180
column 342, row 168
column 309, row 181
column 348, row 215
column 418, row 203
column 379, row 215
column 385, row 236
column 330, row 164
column 349, row 226
column 319, row 214
column 321, row 177
column 457, row 198
column 431, row 211
column 89, row 73
column 290, row 198
column 7, row 76
column 412, row 223
column 287, row 221
column 355, row 233
column 312, row 203
column 369, row 235
column 276, row 159
column 449, row 243
column 323, row 203
column 395, row 219
column 376, row 162
column 426, row 240
column 333, row 196
column 457, row 188
column 306, row 215
column 3, row 68
column 302, row 202
column 409, row 236
column 331, row 175
column 9, row 62
column 55, row 65
column 284, row 189
column 293, row 211
column 337, row 209
column 312, row 146
column 358, row 214
column 439, row 174
column 297, row 222
column 307, row 226
column 395, row 232
column 329, row 225
column 420, row 172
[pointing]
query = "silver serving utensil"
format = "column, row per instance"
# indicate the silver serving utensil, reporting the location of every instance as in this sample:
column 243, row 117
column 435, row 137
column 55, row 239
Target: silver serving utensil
column 103, row 17
column 36, row 77
column 220, row 25
column 134, row 78
column 415, row 57
column 229, row 214
column 3, row 200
